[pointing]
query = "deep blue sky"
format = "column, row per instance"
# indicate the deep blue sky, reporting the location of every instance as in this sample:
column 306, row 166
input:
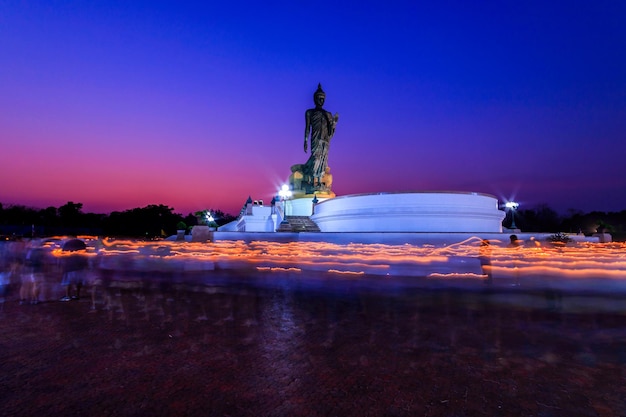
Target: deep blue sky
column 123, row 104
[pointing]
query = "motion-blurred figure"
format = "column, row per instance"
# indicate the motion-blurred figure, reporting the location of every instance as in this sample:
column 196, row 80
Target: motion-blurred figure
column 74, row 267
column 32, row 274
column 485, row 260
column 515, row 243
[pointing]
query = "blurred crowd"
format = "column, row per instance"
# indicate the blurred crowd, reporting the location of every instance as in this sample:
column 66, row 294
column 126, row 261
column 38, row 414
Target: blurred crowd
column 119, row 280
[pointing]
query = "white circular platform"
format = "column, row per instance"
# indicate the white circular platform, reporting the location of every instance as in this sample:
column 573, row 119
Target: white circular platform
column 410, row 212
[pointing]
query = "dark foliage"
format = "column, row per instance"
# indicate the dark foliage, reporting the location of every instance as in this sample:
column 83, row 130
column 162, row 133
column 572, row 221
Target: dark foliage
column 149, row 222
column 544, row 219
column 540, row 219
column 559, row 238
column 155, row 221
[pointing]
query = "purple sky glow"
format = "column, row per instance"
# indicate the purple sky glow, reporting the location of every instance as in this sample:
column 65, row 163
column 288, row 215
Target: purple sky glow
column 195, row 104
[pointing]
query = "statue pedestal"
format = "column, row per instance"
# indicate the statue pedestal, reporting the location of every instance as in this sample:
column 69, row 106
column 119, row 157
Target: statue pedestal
column 201, row 234
column 321, row 195
column 302, row 204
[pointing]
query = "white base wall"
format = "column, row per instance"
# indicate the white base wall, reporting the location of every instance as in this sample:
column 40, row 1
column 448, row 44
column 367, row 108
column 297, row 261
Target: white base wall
column 257, row 219
column 301, row 206
column 435, row 212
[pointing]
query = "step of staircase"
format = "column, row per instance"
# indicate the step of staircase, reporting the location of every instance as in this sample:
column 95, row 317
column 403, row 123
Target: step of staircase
column 298, row 224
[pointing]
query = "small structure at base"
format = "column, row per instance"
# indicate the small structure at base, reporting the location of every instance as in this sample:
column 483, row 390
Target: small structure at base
column 201, row 233
column 603, row 237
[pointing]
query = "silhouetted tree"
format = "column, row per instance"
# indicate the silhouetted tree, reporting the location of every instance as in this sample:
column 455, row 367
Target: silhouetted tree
column 49, row 217
column 70, row 214
column 539, row 219
column 222, row 218
column 548, row 219
column 574, row 222
column 19, row 215
column 190, row 220
column 147, row 222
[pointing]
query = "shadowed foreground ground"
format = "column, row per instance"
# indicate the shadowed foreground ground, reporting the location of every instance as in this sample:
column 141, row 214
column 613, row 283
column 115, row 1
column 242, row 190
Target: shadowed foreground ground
column 286, row 350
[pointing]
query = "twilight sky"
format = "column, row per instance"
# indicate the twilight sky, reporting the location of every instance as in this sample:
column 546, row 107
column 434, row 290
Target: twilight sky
column 198, row 104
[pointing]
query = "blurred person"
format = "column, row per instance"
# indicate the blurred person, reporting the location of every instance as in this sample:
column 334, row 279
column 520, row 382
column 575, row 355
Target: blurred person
column 94, row 276
column 515, row 243
column 75, row 265
column 5, row 276
column 485, row 260
column 14, row 257
column 4, row 280
column 32, row 274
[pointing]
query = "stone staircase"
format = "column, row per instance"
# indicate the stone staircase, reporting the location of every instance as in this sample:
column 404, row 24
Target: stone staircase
column 298, row 224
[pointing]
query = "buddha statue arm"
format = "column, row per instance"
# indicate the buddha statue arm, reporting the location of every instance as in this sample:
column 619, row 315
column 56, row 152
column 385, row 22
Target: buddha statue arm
column 332, row 122
column 307, row 128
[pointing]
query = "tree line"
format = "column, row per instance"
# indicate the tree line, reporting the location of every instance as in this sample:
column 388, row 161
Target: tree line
column 155, row 221
column 543, row 219
column 152, row 221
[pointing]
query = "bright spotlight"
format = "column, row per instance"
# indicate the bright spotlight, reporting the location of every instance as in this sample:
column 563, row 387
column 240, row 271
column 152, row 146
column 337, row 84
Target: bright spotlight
column 284, row 192
column 512, row 205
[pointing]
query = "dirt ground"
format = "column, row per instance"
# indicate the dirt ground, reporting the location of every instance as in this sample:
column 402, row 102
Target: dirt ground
column 293, row 350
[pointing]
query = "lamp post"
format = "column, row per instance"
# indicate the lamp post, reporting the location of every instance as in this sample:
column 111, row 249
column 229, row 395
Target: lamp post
column 209, row 218
column 284, row 193
column 512, row 206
